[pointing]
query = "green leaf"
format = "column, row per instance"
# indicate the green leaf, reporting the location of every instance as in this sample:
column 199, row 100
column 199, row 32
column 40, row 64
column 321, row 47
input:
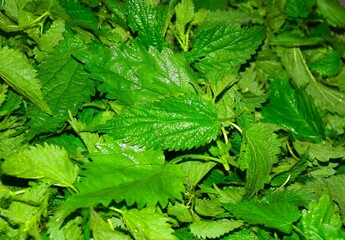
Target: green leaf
column 323, row 152
column 47, row 162
column 80, row 14
column 333, row 11
column 101, row 230
column 259, row 151
column 184, row 14
column 294, row 111
column 328, row 65
column 275, row 214
column 26, row 210
column 221, row 46
column 148, row 224
column 137, row 176
column 210, row 4
column 295, row 64
column 181, row 212
column 320, row 220
column 214, row 229
column 17, row 72
column 172, row 123
column 299, row 8
column 144, row 19
column 195, row 171
column 244, row 234
column 327, row 98
column 57, row 228
column 137, row 74
column 66, row 86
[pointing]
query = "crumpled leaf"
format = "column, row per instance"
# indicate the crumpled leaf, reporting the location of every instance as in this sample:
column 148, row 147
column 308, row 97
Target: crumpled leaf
column 174, row 123
column 259, row 151
column 47, row 162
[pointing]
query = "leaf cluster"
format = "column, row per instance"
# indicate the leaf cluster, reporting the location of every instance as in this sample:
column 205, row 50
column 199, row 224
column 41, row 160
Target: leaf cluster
column 172, row 119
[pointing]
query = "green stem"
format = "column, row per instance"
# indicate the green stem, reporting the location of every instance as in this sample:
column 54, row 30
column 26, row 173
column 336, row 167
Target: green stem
column 195, row 156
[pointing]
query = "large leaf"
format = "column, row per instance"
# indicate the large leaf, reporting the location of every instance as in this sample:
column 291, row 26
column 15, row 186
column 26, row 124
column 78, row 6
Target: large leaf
column 148, row 224
column 144, row 19
column 320, row 220
column 122, row 172
column 275, row 214
column 136, row 74
column 299, row 8
column 66, row 86
column 259, row 151
column 293, row 110
column 47, row 161
column 172, row 123
column 17, row 72
column 224, row 45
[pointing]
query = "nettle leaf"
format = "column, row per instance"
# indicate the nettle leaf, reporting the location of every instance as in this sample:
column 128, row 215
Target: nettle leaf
column 122, row 172
column 214, row 229
column 144, row 19
column 138, row 75
column 80, row 14
column 328, row 64
column 294, row 111
column 223, row 45
column 174, row 123
column 320, row 220
column 275, row 214
column 259, row 151
column 47, row 162
column 323, row 152
column 327, row 98
column 333, row 11
column 295, row 64
column 66, row 86
column 102, row 230
column 148, row 224
column 299, row 8
column 17, row 72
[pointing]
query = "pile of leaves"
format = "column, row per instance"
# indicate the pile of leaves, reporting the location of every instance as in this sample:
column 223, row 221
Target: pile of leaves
column 192, row 119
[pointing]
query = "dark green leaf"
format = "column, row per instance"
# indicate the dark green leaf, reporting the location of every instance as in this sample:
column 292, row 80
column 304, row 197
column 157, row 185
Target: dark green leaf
column 214, row 229
column 333, row 11
column 299, row 8
column 259, row 151
column 294, row 111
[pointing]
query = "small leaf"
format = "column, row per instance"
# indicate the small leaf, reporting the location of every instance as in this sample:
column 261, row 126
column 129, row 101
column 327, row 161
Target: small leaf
column 294, row 111
column 47, row 162
column 320, row 220
column 17, row 72
column 172, row 123
column 101, row 230
column 299, row 8
column 258, row 155
column 214, row 229
column 148, row 224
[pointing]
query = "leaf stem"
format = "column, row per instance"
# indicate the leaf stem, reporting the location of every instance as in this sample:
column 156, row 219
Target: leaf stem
column 195, row 156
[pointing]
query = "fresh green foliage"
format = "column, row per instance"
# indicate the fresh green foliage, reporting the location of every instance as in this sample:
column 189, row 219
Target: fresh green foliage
column 172, row 119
